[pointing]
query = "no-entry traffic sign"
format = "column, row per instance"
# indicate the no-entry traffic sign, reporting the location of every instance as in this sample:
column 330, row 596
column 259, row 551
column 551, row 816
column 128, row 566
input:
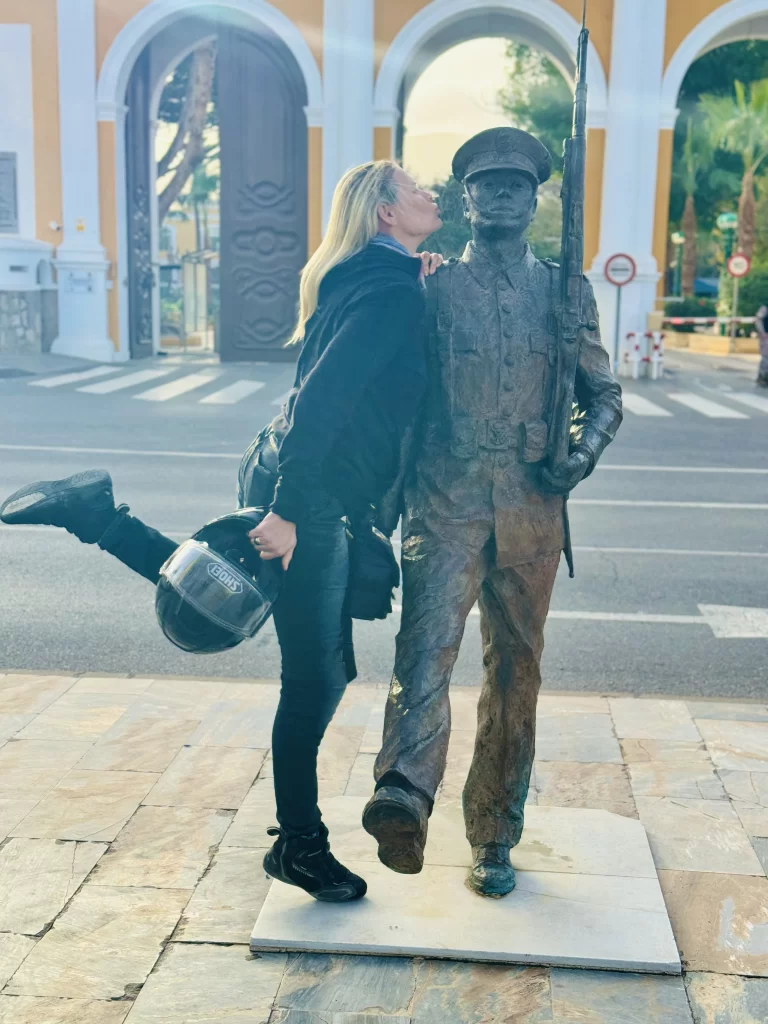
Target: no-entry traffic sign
column 620, row 269
column 738, row 265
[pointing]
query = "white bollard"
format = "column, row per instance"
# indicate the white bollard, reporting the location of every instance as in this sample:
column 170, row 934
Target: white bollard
column 645, row 368
column 657, row 356
column 624, row 369
column 635, row 361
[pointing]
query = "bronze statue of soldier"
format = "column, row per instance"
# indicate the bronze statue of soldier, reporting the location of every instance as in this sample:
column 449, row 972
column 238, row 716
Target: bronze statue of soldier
column 485, row 518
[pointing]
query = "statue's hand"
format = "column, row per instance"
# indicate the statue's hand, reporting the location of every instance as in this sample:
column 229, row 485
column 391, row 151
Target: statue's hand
column 574, row 469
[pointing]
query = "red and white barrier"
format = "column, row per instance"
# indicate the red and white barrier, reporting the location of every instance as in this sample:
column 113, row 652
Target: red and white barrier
column 656, row 360
column 642, row 356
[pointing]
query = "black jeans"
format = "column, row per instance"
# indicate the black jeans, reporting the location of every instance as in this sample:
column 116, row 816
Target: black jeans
column 315, row 637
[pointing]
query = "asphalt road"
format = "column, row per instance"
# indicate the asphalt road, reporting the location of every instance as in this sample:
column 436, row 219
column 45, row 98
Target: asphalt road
column 674, row 520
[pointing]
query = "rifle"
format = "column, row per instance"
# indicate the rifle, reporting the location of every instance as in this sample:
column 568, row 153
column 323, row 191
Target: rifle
column 569, row 307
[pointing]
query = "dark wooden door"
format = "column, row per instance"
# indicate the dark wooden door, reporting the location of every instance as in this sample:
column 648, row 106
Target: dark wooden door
column 141, row 278
column 263, row 195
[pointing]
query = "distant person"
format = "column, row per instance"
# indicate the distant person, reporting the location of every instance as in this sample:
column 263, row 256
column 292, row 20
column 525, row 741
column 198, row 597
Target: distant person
column 761, row 323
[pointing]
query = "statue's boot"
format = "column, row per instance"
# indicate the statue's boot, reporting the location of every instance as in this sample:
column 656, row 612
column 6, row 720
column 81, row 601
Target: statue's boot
column 492, row 873
column 397, row 819
column 82, row 504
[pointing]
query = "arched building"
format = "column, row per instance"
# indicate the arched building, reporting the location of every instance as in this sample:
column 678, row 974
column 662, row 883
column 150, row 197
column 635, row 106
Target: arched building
column 307, row 89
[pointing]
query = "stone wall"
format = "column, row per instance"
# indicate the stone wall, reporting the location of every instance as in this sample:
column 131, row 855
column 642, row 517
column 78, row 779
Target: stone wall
column 28, row 320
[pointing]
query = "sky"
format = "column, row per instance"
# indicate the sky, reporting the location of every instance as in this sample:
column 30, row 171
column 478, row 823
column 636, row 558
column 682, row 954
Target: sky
column 455, row 98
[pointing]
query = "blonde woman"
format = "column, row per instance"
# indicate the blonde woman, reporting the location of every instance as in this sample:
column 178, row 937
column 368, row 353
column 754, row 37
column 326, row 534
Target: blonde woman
column 359, row 382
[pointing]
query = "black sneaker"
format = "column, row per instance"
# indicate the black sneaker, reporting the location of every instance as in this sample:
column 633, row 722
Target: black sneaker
column 307, row 862
column 82, row 504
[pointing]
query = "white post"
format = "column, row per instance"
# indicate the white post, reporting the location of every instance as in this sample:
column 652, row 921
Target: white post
column 80, row 259
column 348, row 90
column 631, row 153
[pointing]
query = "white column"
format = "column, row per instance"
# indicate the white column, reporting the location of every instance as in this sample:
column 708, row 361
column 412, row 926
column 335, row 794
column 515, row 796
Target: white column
column 347, row 89
column 631, row 152
column 80, row 259
column 20, row 252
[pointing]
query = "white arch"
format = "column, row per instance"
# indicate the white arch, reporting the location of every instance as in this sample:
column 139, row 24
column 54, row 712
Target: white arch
column 696, row 43
column 134, row 36
column 439, row 14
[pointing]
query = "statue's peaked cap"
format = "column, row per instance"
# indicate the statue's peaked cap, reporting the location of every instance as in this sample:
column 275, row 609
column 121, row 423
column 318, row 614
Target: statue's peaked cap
column 503, row 148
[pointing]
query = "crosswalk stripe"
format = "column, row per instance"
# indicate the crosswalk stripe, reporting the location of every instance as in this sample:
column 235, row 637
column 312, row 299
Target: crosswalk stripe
column 105, row 387
column 233, row 392
column 706, row 406
column 73, row 378
column 177, row 387
column 753, row 401
column 641, row 406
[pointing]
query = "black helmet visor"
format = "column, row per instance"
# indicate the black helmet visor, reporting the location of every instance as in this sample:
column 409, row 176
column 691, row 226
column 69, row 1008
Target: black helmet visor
column 216, row 588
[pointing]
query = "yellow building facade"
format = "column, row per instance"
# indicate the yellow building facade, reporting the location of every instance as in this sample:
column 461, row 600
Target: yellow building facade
column 66, row 215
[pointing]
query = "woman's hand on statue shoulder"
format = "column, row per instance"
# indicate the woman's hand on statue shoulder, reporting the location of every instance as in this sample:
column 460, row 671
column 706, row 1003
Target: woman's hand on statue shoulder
column 274, row 537
column 430, row 261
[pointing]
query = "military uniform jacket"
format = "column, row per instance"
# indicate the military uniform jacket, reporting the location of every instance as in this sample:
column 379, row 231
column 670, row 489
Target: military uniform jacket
column 492, row 349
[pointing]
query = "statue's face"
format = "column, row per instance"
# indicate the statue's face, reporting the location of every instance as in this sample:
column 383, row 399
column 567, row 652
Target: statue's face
column 500, row 200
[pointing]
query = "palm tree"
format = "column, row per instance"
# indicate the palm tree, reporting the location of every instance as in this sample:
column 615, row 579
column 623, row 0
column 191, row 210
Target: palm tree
column 696, row 154
column 739, row 124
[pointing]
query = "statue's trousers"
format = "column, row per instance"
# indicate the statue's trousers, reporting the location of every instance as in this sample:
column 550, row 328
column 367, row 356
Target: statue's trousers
column 447, row 568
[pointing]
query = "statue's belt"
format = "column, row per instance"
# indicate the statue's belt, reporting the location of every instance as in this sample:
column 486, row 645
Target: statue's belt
column 465, row 435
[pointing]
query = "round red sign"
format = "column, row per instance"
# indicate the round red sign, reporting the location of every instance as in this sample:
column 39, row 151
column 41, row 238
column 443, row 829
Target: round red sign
column 738, row 265
column 620, row 269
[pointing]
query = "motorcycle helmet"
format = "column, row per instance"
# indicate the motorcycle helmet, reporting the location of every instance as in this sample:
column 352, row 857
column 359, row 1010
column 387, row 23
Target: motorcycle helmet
column 215, row 591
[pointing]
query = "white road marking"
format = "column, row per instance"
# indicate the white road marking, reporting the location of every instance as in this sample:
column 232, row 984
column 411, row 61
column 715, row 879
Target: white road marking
column 177, row 387
column 706, row 406
column 106, row 387
column 55, row 531
column 71, row 450
column 730, row 623
column 643, row 617
column 602, row 466
column 623, row 502
column 684, row 552
column 641, row 406
column 233, row 392
column 579, row 549
column 72, row 378
column 726, row 622
column 753, row 401
column 281, row 399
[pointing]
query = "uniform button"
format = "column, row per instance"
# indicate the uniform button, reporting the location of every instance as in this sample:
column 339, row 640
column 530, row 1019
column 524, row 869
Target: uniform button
column 509, row 360
column 502, row 461
column 506, row 307
column 508, row 385
column 509, row 332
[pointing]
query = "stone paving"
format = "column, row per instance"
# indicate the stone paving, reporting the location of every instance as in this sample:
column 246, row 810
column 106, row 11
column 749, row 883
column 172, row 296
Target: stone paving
column 133, row 816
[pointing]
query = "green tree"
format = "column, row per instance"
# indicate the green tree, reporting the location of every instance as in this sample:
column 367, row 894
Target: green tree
column 713, row 73
column 186, row 102
column 697, row 154
column 203, row 187
column 538, row 99
column 739, row 124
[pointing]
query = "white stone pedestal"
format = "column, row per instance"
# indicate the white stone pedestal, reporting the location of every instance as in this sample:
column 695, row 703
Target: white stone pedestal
column 587, row 896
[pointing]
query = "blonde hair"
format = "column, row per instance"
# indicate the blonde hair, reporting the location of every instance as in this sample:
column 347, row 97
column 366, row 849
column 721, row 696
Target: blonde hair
column 352, row 224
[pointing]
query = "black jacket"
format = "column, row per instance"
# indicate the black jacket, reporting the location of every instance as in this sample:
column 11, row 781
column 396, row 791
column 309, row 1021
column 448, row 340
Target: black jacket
column 360, row 379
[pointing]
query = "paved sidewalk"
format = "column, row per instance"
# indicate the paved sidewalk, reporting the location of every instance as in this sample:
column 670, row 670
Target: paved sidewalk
column 132, row 826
